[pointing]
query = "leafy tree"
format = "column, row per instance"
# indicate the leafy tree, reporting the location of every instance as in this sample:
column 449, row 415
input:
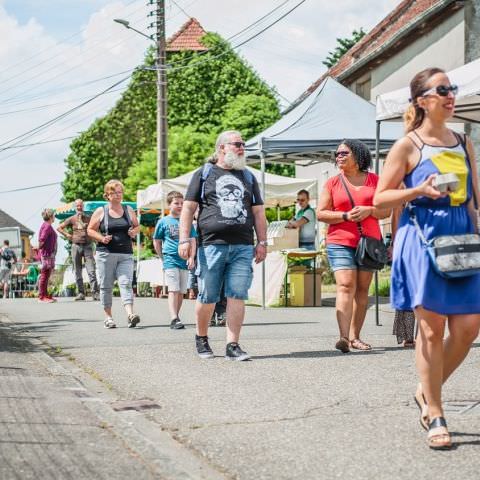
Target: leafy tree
column 200, row 89
column 344, row 45
column 187, row 150
column 250, row 114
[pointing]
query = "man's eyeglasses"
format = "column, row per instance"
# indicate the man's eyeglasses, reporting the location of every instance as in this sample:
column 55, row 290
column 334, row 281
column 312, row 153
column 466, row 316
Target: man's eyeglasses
column 441, row 90
column 116, row 193
column 342, row 153
column 237, row 144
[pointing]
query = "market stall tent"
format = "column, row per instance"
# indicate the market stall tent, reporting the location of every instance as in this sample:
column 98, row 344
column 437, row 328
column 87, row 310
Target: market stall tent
column 313, row 129
column 392, row 105
column 280, row 191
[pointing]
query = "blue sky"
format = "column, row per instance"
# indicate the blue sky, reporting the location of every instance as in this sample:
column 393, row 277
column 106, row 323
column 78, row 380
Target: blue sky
column 43, row 74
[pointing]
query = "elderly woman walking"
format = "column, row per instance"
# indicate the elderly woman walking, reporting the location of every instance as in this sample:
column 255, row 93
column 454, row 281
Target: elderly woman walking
column 113, row 227
column 47, row 245
column 335, row 208
column 430, row 148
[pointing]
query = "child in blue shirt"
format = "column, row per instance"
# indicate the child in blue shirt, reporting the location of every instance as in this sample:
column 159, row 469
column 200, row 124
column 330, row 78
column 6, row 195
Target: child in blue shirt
column 165, row 242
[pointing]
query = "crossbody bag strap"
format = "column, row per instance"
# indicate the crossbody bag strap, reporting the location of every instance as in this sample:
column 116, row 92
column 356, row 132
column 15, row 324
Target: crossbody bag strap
column 359, row 226
column 411, row 210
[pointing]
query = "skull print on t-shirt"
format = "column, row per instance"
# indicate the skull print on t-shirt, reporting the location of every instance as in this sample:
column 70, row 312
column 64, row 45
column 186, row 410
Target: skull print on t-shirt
column 226, row 207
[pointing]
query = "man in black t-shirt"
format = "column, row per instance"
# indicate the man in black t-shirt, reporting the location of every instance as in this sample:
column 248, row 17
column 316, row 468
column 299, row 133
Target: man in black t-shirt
column 231, row 206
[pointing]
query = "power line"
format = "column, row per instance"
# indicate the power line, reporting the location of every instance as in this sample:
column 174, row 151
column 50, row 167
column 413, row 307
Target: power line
column 30, row 188
column 42, row 107
column 59, row 117
column 236, row 46
column 229, row 39
column 76, row 122
column 40, row 143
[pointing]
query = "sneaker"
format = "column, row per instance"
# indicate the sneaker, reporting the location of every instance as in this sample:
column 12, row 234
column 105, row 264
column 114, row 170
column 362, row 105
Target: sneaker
column 203, row 348
column 46, row 300
column 213, row 320
column 133, row 319
column 176, row 324
column 235, row 353
column 80, row 297
column 109, row 323
column 96, row 297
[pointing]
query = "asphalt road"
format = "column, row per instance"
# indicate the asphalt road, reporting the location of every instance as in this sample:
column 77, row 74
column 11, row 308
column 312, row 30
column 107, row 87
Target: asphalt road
column 298, row 410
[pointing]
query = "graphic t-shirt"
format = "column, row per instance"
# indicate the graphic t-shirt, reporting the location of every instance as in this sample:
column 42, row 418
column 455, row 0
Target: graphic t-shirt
column 307, row 231
column 226, row 210
column 167, row 230
column 79, row 224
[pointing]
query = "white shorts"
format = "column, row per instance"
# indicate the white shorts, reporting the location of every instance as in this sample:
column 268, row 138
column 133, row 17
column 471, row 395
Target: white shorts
column 176, row 279
column 4, row 275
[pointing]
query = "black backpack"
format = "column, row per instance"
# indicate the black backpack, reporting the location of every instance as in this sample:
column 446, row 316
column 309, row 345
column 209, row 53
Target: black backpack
column 8, row 256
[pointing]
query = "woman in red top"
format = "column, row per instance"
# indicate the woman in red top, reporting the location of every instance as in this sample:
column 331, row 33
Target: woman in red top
column 335, row 208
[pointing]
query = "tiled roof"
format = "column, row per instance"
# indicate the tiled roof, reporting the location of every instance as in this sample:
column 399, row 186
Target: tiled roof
column 7, row 221
column 405, row 14
column 187, row 38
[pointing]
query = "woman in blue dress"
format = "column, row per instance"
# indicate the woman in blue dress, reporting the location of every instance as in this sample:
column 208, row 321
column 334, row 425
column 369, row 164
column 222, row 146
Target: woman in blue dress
column 430, row 148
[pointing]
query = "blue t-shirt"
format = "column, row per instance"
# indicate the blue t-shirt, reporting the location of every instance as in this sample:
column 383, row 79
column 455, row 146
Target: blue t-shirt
column 167, row 230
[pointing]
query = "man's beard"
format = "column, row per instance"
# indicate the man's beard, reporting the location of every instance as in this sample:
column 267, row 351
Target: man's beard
column 232, row 160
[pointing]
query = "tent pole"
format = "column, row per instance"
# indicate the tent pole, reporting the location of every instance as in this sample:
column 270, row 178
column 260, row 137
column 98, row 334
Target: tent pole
column 262, row 158
column 138, row 242
column 377, row 170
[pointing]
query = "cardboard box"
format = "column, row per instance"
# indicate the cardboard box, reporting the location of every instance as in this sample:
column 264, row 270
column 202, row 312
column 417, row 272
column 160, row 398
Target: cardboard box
column 301, row 289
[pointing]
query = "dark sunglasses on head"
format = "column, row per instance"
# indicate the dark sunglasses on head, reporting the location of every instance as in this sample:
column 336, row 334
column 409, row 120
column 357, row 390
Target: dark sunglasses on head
column 342, row 153
column 237, row 144
column 441, row 90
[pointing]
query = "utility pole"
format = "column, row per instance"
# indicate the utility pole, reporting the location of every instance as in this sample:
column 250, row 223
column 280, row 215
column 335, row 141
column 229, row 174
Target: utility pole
column 162, row 147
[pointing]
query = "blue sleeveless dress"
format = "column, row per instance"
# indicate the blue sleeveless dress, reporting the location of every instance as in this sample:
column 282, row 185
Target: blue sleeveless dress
column 414, row 281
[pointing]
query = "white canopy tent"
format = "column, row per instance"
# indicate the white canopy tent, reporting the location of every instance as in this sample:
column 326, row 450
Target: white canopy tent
column 392, row 105
column 279, row 191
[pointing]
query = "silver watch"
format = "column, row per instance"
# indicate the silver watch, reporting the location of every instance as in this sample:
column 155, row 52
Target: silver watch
column 263, row 242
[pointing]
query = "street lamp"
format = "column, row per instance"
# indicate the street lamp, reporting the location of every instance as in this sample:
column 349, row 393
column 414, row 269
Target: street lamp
column 162, row 152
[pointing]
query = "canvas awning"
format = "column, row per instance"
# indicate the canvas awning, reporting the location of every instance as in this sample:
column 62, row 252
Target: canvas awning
column 392, row 105
column 279, row 190
column 312, row 130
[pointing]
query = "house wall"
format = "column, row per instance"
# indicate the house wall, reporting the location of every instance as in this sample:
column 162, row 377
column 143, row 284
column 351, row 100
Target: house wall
column 443, row 47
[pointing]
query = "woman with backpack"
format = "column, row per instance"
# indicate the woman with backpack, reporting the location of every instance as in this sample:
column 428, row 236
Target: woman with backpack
column 113, row 227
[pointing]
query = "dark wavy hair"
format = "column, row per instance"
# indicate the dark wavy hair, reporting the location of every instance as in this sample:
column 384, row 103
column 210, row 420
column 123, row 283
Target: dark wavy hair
column 360, row 152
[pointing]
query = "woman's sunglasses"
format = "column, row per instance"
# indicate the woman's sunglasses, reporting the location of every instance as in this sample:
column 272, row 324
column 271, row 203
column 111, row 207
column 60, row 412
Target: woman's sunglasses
column 341, row 153
column 441, row 90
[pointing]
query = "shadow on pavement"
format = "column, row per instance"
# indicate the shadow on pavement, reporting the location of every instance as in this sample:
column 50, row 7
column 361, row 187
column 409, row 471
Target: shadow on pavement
column 318, row 354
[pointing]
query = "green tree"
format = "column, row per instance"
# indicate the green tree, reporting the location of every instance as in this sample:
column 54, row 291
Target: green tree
column 200, row 88
column 250, row 114
column 344, row 45
column 187, row 150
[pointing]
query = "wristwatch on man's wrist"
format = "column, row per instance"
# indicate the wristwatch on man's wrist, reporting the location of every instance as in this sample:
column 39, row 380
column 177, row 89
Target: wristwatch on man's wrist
column 263, row 242
column 345, row 217
column 187, row 240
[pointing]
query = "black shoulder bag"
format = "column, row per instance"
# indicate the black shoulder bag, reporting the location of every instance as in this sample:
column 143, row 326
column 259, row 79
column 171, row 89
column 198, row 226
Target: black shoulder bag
column 371, row 253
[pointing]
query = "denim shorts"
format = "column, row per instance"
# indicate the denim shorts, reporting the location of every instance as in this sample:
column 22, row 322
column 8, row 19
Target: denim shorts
column 341, row 257
column 228, row 265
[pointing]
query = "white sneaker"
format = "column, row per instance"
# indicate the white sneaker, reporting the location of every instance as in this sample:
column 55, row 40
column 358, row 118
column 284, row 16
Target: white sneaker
column 109, row 323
